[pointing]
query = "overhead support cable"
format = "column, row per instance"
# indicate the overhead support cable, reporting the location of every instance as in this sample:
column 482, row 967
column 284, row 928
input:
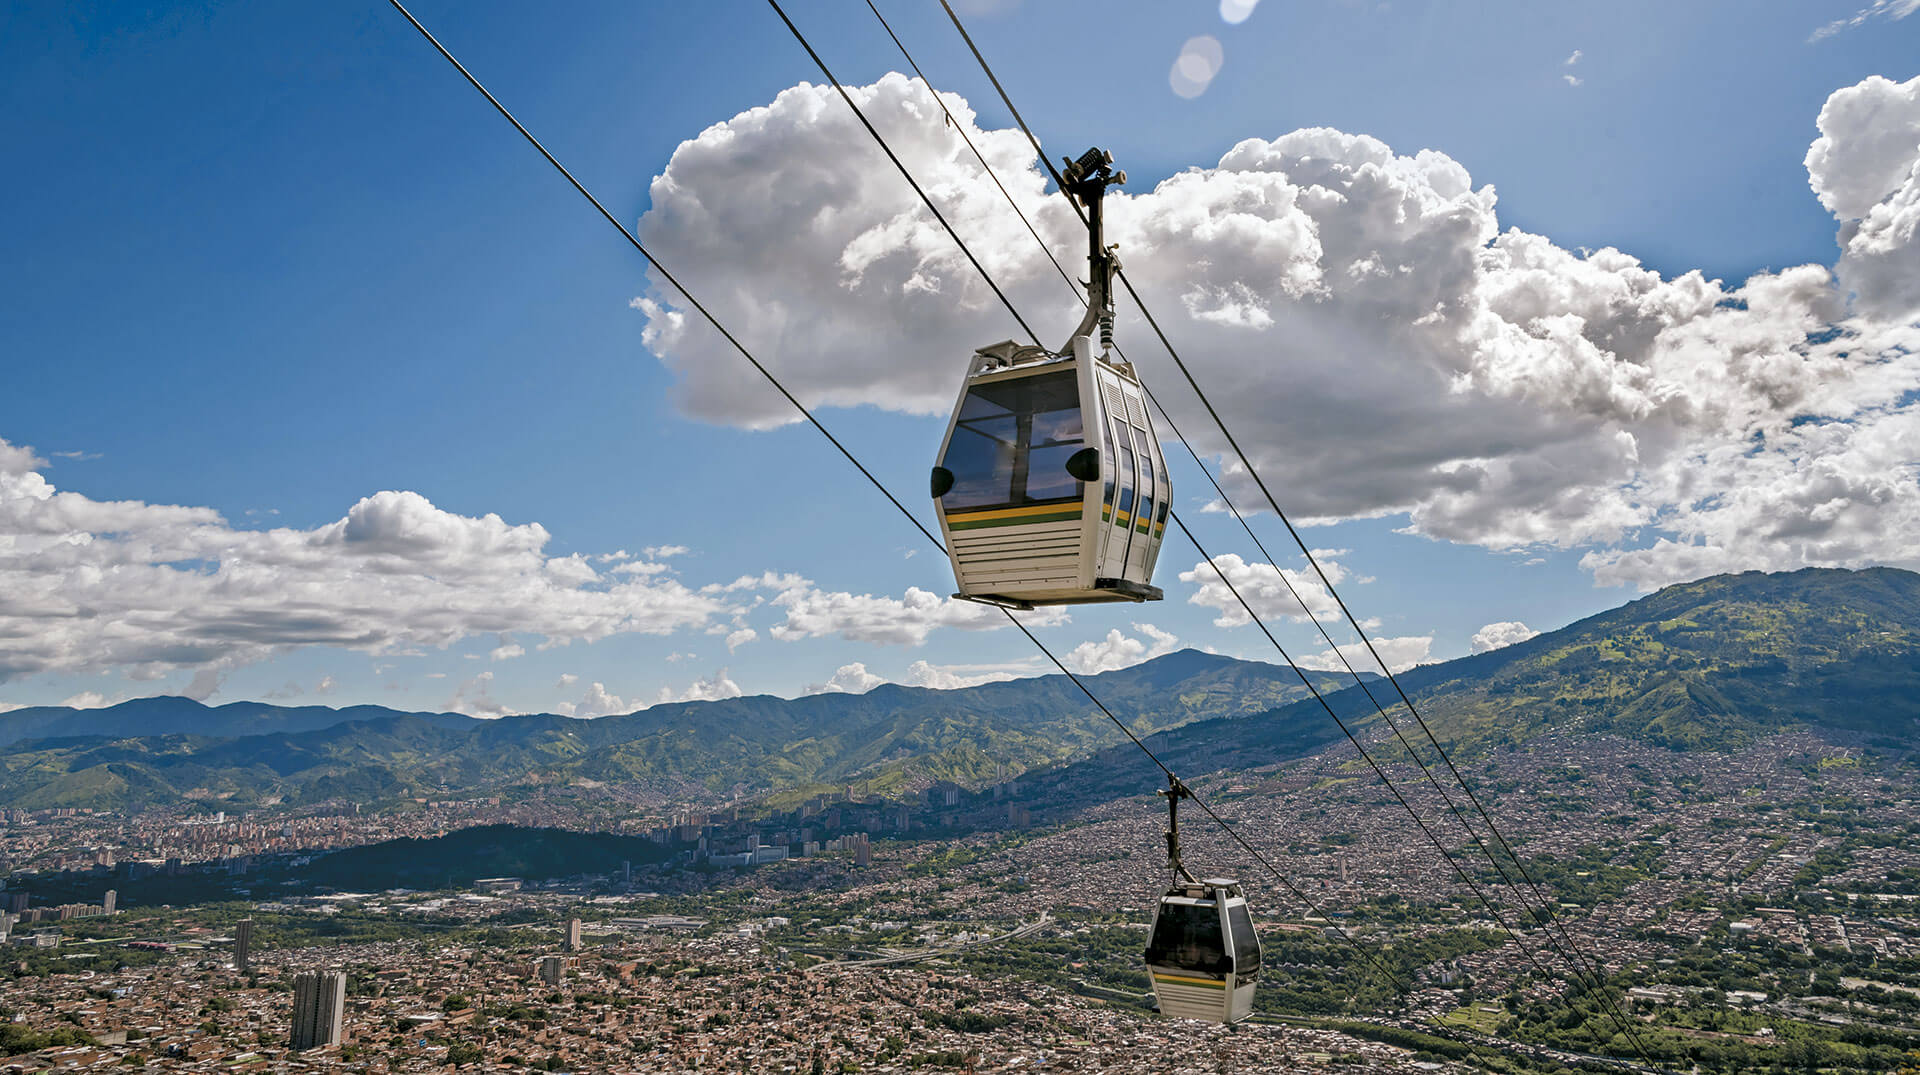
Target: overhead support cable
column 1579, row 958
column 1434, row 839
column 767, row 374
column 634, row 241
column 961, row 129
column 1272, row 561
column 904, row 173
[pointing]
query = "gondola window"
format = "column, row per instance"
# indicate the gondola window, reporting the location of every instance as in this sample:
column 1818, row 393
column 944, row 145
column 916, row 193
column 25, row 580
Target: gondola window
column 1188, row 936
column 1012, row 441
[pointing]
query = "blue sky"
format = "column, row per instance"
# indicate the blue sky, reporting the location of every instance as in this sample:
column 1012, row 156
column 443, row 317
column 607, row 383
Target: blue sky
column 269, row 260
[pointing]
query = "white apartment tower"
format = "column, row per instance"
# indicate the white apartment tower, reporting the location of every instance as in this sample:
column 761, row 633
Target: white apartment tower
column 319, row 1008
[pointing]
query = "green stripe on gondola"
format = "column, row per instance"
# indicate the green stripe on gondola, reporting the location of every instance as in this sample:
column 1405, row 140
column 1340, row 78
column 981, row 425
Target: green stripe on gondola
column 964, row 523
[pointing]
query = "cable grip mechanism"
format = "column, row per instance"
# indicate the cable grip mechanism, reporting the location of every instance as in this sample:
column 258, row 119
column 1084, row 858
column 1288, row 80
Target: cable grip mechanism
column 1174, row 792
column 1086, row 181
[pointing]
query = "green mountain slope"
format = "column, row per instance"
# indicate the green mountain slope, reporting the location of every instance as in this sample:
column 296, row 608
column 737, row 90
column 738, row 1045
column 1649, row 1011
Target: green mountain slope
column 759, row 743
column 1705, row 665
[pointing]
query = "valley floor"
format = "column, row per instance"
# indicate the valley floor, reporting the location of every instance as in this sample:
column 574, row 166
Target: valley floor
column 1733, row 912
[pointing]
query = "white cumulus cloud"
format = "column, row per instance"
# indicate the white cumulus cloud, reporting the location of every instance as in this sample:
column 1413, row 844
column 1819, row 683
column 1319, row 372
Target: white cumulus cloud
column 1415, row 357
column 1400, row 654
column 906, row 620
column 712, row 688
column 1283, row 594
column 151, row 589
column 949, row 677
column 849, row 679
column 1120, row 650
column 1865, row 168
column 1505, row 633
column 597, row 702
column 474, row 697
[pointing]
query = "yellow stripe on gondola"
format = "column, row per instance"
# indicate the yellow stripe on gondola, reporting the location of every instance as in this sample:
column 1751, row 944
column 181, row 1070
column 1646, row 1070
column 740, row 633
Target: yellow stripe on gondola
column 1032, row 513
column 1208, row 983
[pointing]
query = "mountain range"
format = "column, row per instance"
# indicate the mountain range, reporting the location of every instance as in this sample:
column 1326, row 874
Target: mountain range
column 1703, row 665
column 157, row 750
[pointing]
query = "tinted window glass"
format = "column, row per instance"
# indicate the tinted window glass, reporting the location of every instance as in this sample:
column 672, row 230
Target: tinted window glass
column 1054, row 436
column 1188, row 936
column 1112, row 466
column 1146, row 478
column 1246, row 946
column 1011, row 443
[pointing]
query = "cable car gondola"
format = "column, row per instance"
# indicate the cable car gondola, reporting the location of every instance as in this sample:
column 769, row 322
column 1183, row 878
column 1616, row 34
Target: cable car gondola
column 1050, row 486
column 1202, row 954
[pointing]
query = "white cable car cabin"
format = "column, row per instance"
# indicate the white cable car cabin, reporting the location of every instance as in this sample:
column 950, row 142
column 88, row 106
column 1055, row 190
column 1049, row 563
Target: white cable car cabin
column 1050, row 485
column 1051, row 488
column 1203, row 954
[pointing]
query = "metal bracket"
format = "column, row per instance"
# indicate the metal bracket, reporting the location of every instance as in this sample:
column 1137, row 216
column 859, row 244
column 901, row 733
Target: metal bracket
column 996, row 600
column 1087, row 180
column 1174, row 792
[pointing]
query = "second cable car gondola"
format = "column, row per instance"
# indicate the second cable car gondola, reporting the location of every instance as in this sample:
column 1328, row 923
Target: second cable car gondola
column 1050, row 486
column 1202, row 953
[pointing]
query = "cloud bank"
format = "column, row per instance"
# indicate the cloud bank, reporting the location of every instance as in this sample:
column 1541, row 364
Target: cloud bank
column 150, row 590
column 1369, row 329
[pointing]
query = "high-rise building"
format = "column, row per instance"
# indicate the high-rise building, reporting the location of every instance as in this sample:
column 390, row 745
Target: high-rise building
column 573, row 934
column 319, row 1009
column 552, row 969
column 242, row 943
column 109, row 901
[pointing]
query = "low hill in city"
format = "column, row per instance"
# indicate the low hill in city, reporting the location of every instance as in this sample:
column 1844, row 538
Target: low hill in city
column 1705, row 665
column 460, row 858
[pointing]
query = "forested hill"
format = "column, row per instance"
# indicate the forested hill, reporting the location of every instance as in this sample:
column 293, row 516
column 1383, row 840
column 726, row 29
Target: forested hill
column 1707, row 665
column 1703, row 665
column 163, row 749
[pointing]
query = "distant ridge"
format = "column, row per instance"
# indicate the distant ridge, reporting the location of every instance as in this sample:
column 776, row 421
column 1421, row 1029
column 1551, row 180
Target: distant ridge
column 173, row 715
column 1710, row 664
column 160, row 749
